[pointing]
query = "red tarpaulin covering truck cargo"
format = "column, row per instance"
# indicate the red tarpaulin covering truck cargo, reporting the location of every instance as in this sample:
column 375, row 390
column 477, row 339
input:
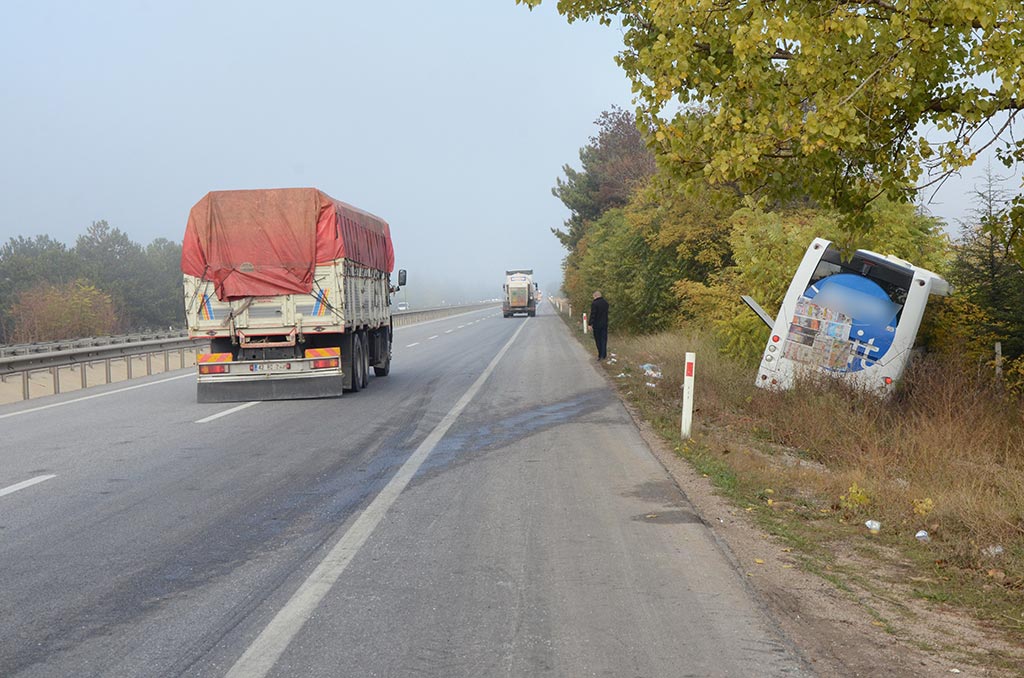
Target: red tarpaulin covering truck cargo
column 292, row 288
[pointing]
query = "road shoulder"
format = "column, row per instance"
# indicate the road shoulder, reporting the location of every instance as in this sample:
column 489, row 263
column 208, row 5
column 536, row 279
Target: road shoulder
column 834, row 633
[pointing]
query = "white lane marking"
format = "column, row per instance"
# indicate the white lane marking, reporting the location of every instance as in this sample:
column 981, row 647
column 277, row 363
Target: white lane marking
column 268, row 647
column 25, row 483
column 433, row 337
column 227, row 412
column 96, row 395
column 448, row 331
column 461, row 326
column 415, row 343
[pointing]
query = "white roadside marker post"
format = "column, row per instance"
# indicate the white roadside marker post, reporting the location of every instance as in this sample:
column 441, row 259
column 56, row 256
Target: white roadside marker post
column 687, row 421
column 584, row 323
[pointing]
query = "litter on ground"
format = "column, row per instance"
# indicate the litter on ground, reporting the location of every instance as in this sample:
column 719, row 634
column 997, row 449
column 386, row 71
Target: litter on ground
column 651, row 371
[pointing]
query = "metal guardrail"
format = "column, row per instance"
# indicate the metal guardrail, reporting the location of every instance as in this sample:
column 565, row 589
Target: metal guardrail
column 27, row 359
column 403, row 318
column 86, row 342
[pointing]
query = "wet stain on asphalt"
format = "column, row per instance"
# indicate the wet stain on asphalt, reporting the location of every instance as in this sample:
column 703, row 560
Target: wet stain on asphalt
column 669, row 517
column 475, row 438
column 662, row 491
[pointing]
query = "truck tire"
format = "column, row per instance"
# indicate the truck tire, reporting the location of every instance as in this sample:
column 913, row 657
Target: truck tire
column 352, row 361
column 365, row 371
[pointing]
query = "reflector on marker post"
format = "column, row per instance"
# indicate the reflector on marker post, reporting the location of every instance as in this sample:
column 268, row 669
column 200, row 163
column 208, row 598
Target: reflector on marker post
column 584, row 323
column 687, row 419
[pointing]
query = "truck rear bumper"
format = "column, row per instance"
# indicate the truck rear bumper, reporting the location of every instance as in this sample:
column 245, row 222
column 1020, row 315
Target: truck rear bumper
column 223, row 391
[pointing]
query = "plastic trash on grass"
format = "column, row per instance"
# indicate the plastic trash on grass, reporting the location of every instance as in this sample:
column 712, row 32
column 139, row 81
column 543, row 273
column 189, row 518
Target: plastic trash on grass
column 651, row 371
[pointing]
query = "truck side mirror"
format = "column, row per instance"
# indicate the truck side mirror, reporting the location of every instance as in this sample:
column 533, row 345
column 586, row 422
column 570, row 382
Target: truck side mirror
column 401, row 277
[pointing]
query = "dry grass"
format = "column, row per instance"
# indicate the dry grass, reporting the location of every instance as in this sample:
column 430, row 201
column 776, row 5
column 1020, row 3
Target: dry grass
column 945, row 454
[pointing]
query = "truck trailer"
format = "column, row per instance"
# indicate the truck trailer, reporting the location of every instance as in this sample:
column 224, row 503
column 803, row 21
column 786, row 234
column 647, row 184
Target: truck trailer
column 292, row 291
column 520, row 293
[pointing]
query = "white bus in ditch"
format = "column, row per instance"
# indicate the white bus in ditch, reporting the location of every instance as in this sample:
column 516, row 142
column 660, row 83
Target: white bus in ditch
column 854, row 319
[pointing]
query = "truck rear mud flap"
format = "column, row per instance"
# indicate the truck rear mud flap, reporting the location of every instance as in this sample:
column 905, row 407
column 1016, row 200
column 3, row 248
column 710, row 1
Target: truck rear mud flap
column 269, row 389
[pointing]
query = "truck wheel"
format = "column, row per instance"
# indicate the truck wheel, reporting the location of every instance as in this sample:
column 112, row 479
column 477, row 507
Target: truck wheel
column 353, row 361
column 364, row 341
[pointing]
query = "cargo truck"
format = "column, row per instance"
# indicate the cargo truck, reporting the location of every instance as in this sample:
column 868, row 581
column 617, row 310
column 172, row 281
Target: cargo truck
column 520, row 293
column 292, row 291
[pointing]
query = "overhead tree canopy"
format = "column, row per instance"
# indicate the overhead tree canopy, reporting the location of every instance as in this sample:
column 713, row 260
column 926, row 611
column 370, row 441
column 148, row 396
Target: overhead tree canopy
column 846, row 100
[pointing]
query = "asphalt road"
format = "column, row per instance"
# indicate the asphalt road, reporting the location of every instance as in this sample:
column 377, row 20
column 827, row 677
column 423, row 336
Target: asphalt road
column 488, row 509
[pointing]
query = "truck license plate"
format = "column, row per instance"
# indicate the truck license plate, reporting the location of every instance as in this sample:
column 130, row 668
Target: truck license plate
column 269, row 367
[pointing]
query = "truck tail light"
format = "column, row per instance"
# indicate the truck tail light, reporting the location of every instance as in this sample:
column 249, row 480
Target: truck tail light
column 325, row 363
column 213, row 363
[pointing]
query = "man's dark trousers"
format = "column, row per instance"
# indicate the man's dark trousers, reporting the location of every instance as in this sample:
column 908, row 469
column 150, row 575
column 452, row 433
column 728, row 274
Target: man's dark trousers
column 601, row 339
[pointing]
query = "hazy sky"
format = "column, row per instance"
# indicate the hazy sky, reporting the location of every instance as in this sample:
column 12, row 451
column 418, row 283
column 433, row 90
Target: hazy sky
column 449, row 119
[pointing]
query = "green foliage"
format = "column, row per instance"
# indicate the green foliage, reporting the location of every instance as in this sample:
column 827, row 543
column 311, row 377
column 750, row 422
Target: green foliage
column 613, row 163
column 687, row 219
column 957, row 326
column 615, row 258
column 158, row 303
column 115, row 263
column 855, row 501
column 24, row 263
column 985, row 273
column 838, row 96
column 47, row 311
column 636, row 255
column 144, row 284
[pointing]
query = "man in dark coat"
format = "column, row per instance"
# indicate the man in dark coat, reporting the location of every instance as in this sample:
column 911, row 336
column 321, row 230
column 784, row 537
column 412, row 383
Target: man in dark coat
column 598, row 319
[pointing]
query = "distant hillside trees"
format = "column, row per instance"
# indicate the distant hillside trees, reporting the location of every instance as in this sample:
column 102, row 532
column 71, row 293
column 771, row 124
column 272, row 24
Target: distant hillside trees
column 142, row 284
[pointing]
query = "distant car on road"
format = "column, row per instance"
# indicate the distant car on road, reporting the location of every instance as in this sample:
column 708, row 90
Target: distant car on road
column 402, row 306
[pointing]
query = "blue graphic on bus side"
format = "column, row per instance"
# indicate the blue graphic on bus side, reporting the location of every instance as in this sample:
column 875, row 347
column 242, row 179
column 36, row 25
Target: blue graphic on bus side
column 874, row 315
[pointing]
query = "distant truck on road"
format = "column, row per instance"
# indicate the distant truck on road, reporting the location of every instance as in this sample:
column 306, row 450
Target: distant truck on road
column 292, row 289
column 520, row 293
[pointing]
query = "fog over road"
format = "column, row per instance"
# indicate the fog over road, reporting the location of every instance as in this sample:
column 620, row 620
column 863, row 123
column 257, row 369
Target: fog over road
column 488, row 509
